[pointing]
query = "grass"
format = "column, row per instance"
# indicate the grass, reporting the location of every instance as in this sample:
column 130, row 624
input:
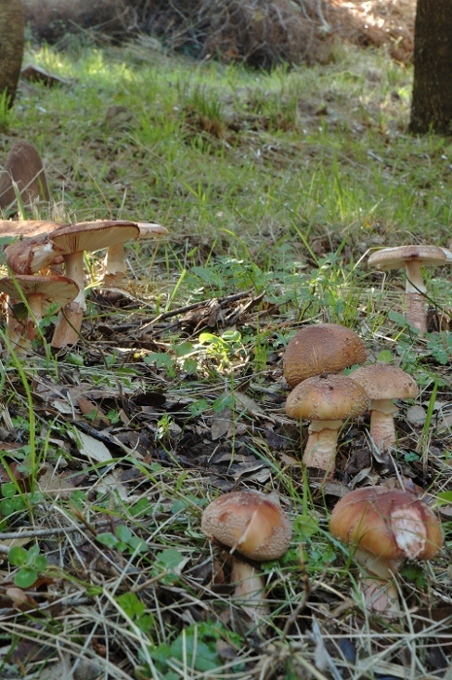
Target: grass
column 274, row 187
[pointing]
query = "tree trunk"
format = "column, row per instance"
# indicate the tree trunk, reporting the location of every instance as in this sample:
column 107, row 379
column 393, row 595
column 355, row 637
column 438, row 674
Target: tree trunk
column 11, row 46
column 431, row 107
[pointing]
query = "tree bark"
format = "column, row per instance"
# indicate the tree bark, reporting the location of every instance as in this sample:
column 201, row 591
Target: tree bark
column 12, row 46
column 431, row 107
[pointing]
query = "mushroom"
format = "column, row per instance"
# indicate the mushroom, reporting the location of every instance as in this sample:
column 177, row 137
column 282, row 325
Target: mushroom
column 412, row 259
column 385, row 526
column 252, row 525
column 325, row 400
column 71, row 242
column 30, row 255
column 115, row 264
column 321, row 348
column 383, row 383
column 27, row 228
column 40, row 293
column 23, row 174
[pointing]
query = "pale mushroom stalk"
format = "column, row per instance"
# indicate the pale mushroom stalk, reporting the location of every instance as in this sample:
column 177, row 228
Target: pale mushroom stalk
column 320, row 449
column 379, row 589
column 326, row 401
column 382, row 424
column 251, row 524
column 70, row 318
column 415, row 290
column 249, row 591
column 115, row 261
column 412, row 258
column 382, row 383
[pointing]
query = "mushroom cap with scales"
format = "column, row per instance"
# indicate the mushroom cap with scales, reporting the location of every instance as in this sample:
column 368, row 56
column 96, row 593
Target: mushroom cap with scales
column 326, row 401
column 321, row 348
column 250, row 523
column 383, row 383
column 332, row 397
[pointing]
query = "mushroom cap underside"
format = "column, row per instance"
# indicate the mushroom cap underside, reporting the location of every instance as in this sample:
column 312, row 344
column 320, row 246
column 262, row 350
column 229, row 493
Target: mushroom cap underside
column 398, row 257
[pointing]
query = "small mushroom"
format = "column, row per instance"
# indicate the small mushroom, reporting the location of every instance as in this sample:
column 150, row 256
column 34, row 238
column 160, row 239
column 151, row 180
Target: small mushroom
column 23, row 174
column 383, row 383
column 115, row 264
column 326, row 401
column 385, row 526
column 412, row 259
column 40, row 293
column 253, row 526
column 321, row 348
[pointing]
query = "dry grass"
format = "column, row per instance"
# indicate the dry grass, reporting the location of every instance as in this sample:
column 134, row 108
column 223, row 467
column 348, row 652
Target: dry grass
column 261, row 33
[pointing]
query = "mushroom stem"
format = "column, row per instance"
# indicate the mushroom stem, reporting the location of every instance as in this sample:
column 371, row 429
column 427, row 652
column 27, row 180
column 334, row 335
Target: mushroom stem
column 382, row 426
column 115, row 266
column 70, row 319
column 249, row 592
column 381, row 595
column 320, row 451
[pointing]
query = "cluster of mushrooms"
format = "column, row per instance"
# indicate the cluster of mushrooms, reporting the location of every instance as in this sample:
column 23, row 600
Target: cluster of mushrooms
column 45, row 246
column 383, row 526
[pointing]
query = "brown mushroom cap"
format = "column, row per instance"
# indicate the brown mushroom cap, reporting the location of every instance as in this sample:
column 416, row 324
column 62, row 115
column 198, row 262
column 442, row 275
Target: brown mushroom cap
column 384, row 381
column 321, row 348
column 249, row 522
column 51, row 288
column 395, row 258
column 92, row 236
column 327, row 397
column 23, row 168
column 390, row 524
column 27, row 227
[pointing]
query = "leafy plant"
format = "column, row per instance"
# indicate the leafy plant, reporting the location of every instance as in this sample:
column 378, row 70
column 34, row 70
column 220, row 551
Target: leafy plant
column 30, row 563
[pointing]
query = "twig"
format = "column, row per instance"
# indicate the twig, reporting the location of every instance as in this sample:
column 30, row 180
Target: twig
column 33, row 533
column 188, row 308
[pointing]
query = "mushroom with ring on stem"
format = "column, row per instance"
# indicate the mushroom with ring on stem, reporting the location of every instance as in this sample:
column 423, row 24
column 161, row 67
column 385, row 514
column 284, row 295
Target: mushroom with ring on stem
column 384, row 527
column 321, row 348
column 412, row 259
column 253, row 526
column 326, row 401
column 383, row 383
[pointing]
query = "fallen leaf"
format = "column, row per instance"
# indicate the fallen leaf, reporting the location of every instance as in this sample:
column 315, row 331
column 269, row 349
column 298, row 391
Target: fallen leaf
column 90, row 447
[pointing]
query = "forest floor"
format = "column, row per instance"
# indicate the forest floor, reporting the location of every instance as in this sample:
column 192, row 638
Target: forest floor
column 275, row 187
